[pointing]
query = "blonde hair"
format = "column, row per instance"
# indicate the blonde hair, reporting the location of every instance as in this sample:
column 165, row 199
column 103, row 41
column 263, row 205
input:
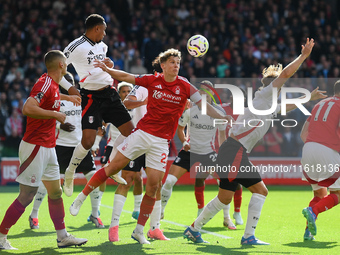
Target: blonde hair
column 270, row 73
column 163, row 57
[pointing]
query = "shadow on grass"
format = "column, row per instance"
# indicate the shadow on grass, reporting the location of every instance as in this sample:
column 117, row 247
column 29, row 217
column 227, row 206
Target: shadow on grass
column 312, row 244
column 249, row 249
column 31, row 233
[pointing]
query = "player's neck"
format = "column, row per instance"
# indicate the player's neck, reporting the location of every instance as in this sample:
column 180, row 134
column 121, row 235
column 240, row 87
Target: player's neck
column 56, row 76
column 169, row 78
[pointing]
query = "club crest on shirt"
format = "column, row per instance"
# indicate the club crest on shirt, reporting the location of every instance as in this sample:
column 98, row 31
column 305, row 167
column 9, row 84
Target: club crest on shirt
column 39, row 96
column 177, row 90
column 91, row 119
column 124, row 147
column 131, row 164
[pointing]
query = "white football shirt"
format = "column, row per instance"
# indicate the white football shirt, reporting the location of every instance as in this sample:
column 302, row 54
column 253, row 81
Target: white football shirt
column 249, row 135
column 201, row 129
column 81, row 53
column 141, row 94
column 73, row 116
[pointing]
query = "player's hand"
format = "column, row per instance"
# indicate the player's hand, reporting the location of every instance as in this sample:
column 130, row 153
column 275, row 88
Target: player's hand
column 307, row 48
column 75, row 99
column 95, row 153
column 60, row 116
column 317, row 94
column 101, row 65
column 108, row 62
column 186, row 146
column 68, row 127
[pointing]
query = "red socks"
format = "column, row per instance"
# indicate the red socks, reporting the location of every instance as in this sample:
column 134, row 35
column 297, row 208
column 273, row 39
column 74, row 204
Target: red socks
column 325, row 204
column 237, row 200
column 314, row 201
column 199, row 194
column 57, row 212
column 12, row 215
column 97, row 179
column 146, row 208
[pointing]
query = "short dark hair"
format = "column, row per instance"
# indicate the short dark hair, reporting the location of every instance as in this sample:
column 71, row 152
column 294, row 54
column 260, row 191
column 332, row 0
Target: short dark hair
column 337, row 87
column 94, row 20
column 51, row 56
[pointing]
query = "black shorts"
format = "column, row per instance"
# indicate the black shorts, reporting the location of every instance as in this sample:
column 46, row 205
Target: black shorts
column 106, row 156
column 64, row 155
column 99, row 105
column 234, row 167
column 186, row 159
column 136, row 165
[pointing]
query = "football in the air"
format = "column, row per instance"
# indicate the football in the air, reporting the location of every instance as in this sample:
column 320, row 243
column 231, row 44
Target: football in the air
column 197, row 46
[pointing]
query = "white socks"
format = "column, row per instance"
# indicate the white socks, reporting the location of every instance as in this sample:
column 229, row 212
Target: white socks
column 155, row 215
column 167, row 190
column 118, row 204
column 226, row 211
column 95, row 196
column 61, row 234
column 79, row 154
column 254, row 212
column 138, row 201
column 39, row 197
column 210, row 210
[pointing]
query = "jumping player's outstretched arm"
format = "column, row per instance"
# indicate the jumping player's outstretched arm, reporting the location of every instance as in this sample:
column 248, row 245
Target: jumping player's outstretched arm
column 289, row 70
column 115, row 74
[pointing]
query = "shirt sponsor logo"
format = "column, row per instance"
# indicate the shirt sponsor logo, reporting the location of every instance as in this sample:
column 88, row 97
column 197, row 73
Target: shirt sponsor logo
column 56, row 104
column 72, row 112
column 166, row 97
column 98, row 57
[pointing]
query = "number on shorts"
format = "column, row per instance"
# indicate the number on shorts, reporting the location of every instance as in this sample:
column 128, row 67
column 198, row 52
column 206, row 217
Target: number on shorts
column 163, row 158
column 330, row 105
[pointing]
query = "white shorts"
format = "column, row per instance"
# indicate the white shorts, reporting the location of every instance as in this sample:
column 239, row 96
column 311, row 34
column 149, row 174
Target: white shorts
column 156, row 149
column 37, row 163
column 320, row 163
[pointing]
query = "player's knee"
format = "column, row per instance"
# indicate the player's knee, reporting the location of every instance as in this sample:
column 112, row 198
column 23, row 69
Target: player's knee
column 55, row 194
column 89, row 175
column 170, row 181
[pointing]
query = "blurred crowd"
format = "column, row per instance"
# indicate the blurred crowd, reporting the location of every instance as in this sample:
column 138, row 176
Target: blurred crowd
column 244, row 37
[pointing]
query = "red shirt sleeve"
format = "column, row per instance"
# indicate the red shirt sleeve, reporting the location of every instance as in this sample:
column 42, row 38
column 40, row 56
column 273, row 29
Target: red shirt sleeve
column 144, row 80
column 38, row 94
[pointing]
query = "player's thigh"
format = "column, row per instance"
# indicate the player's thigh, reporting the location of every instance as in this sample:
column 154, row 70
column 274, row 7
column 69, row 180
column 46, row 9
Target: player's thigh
column 135, row 145
column 51, row 172
column 113, row 111
column 64, row 155
column 91, row 112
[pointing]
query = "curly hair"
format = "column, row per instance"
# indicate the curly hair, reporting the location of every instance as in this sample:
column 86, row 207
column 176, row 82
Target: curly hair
column 163, row 57
column 270, row 73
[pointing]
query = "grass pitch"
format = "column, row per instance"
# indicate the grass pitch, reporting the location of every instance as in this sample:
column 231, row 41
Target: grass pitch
column 281, row 224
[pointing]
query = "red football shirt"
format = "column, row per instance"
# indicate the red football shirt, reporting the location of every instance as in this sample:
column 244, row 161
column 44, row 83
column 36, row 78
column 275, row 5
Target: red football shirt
column 42, row 131
column 324, row 123
column 166, row 102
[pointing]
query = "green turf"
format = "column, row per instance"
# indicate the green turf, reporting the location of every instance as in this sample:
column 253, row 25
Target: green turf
column 281, row 224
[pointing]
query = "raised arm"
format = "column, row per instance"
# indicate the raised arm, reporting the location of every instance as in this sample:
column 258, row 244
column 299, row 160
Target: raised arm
column 115, row 74
column 290, row 69
column 32, row 109
column 315, row 95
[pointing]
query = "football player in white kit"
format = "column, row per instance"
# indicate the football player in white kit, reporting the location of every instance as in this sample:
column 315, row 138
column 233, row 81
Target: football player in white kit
column 241, row 140
column 68, row 136
column 100, row 100
column 199, row 148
